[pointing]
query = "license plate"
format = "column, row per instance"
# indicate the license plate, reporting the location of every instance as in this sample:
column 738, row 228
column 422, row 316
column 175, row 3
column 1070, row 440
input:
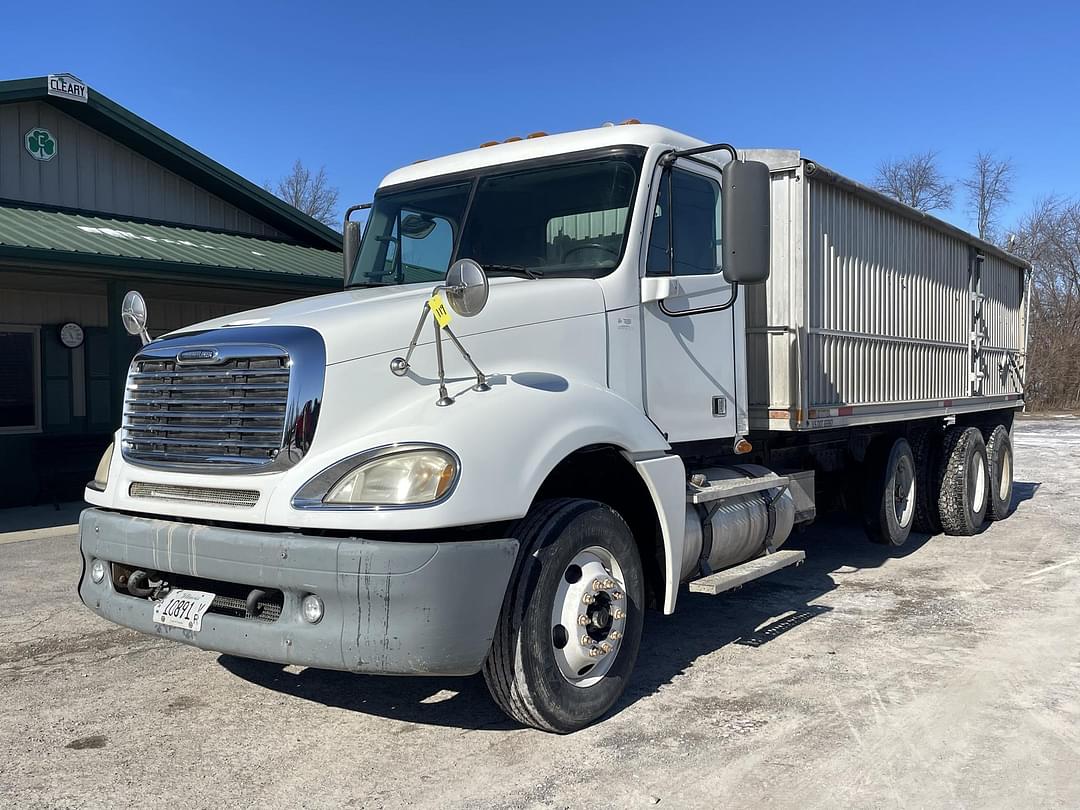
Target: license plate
column 183, row 609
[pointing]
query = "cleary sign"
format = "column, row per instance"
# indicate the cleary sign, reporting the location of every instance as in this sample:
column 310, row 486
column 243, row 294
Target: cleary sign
column 65, row 85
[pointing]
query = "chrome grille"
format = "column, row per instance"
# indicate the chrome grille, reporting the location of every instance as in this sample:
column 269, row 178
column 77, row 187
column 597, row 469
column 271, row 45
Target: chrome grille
column 184, row 494
column 231, row 411
column 232, row 400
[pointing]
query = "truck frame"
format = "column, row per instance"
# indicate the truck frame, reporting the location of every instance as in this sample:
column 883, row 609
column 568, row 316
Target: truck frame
column 568, row 375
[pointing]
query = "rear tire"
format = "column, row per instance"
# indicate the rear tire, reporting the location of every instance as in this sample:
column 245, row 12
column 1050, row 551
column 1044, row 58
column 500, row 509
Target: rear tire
column 963, row 482
column 999, row 460
column 539, row 670
column 889, row 496
column 926, row 447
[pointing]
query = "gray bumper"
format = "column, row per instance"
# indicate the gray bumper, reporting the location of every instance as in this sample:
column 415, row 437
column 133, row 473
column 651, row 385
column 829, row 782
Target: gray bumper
column 391, row 607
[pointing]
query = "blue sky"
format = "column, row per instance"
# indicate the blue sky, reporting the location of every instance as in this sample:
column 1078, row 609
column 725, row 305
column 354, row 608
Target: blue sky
column 364, row 88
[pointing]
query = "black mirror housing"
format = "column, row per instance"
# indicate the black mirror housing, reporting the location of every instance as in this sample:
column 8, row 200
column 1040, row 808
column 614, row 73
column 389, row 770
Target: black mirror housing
column 746, row 214
column 350, row 245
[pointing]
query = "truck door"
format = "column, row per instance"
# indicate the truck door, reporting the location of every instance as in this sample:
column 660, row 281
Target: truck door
column 689, row 340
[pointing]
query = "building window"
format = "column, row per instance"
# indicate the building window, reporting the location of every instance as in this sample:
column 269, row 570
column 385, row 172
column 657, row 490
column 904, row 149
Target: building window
column 20, row 379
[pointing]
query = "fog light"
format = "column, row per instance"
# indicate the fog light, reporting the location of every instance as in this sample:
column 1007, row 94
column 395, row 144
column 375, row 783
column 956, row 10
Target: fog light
column 97, row 570
column 312, row 608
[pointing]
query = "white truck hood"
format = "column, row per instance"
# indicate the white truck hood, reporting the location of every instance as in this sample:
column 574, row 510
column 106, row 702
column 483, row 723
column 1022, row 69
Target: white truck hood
column 363, row 322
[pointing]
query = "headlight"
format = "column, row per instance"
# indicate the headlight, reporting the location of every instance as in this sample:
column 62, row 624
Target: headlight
column 414, row 476
column 101, row 474
column 392, row 476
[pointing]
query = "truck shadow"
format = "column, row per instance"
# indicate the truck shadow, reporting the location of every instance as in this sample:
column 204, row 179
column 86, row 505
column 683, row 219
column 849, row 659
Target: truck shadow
column 1024, row 491
column 759, row 613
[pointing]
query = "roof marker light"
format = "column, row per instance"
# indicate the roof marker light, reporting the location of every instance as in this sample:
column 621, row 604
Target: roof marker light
column 536, row 135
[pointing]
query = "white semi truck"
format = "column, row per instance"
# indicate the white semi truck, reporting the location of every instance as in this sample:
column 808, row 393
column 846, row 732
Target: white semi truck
column 566, row 376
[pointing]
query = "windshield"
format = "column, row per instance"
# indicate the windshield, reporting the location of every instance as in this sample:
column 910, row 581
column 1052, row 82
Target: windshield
column 566, row 219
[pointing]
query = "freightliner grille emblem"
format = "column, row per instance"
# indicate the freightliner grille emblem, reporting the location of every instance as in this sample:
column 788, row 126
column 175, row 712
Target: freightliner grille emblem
column 198, row 356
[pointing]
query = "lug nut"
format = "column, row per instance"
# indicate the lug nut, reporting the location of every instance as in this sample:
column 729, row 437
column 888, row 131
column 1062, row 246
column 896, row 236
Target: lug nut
column 588, row 599
column 609, row 583
column 583, row 620
column 586, row 640
column 614, row 635
column 616, row 596
column 618, row 614
column 605, row 648
column 597, row 585
column 594, row 653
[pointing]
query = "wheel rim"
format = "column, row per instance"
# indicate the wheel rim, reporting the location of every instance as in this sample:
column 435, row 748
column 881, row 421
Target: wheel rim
column 904, row 491
column 977, row 482
column 1006, row 475
column 588, row 619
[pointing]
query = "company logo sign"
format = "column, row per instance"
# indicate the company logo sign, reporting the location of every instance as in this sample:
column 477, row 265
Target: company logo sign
column 64, row 85
column 40, row 144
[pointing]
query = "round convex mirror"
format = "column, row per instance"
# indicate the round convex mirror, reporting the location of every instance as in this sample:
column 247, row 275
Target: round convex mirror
column 466, row 287
column 133, row 313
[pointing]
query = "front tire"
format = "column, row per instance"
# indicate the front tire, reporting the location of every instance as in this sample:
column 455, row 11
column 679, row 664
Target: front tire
column 568, row 635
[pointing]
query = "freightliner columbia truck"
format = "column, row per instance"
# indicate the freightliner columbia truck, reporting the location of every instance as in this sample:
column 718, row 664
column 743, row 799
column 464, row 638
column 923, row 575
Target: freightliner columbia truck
column 567, row 378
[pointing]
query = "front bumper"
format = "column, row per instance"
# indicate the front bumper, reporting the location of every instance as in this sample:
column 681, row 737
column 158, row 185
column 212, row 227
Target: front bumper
column 390, row 606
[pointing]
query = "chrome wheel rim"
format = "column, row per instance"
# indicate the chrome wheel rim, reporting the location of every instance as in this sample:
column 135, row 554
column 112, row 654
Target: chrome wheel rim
column 904, row 492
column 977, row 482
column 588, row 618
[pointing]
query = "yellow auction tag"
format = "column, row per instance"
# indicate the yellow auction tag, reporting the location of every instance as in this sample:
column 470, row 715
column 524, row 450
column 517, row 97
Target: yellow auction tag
column 439, row 310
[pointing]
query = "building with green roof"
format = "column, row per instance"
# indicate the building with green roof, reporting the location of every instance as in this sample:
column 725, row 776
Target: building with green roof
column 95, row 201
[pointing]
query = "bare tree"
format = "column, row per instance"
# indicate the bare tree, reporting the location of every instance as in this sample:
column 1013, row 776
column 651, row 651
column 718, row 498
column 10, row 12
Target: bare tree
column 989, row 187
column 1049, row 237
column 915, row 181
column 310, row 193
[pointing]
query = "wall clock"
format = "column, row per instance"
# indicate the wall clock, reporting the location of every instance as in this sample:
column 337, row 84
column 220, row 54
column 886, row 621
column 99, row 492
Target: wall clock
column 71, row 335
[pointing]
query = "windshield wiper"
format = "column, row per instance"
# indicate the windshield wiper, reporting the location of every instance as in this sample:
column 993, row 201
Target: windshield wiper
column 512, row 270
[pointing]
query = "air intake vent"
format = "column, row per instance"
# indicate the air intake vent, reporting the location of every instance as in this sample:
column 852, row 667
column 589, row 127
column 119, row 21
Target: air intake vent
column 244, row 498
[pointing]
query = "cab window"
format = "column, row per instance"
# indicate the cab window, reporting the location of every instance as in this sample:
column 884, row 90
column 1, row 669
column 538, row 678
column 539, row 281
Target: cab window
column 685, row 236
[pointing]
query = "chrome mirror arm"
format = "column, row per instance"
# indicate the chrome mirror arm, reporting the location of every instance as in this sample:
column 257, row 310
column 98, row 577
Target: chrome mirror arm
column 399, row 366
column 444, row 398
column 481, row 378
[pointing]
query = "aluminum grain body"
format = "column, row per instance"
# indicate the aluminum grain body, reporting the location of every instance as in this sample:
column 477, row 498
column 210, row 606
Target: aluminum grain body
column 876, row 312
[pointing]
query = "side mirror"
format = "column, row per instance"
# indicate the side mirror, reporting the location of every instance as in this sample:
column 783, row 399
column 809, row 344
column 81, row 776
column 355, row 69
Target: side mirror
column 746, row 216
column 350, row 238
column 350, row 244
column 133, row 315
column 466, row 288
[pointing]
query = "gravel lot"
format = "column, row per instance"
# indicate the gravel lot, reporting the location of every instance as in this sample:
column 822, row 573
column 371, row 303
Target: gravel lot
column 943, row 675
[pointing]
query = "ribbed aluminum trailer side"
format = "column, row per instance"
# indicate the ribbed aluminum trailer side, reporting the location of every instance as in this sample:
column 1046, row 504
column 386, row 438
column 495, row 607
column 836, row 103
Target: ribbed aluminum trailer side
column 875, row 312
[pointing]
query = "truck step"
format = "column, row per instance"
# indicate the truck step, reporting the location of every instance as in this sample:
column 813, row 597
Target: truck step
column 739, row 575
column 731, row 487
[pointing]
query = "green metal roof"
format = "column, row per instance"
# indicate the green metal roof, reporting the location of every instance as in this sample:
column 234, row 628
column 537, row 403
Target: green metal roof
column 116, row 121
column 27, row 233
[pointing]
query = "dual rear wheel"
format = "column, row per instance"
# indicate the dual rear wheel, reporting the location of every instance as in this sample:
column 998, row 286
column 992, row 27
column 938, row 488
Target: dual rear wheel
column 953, row 480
